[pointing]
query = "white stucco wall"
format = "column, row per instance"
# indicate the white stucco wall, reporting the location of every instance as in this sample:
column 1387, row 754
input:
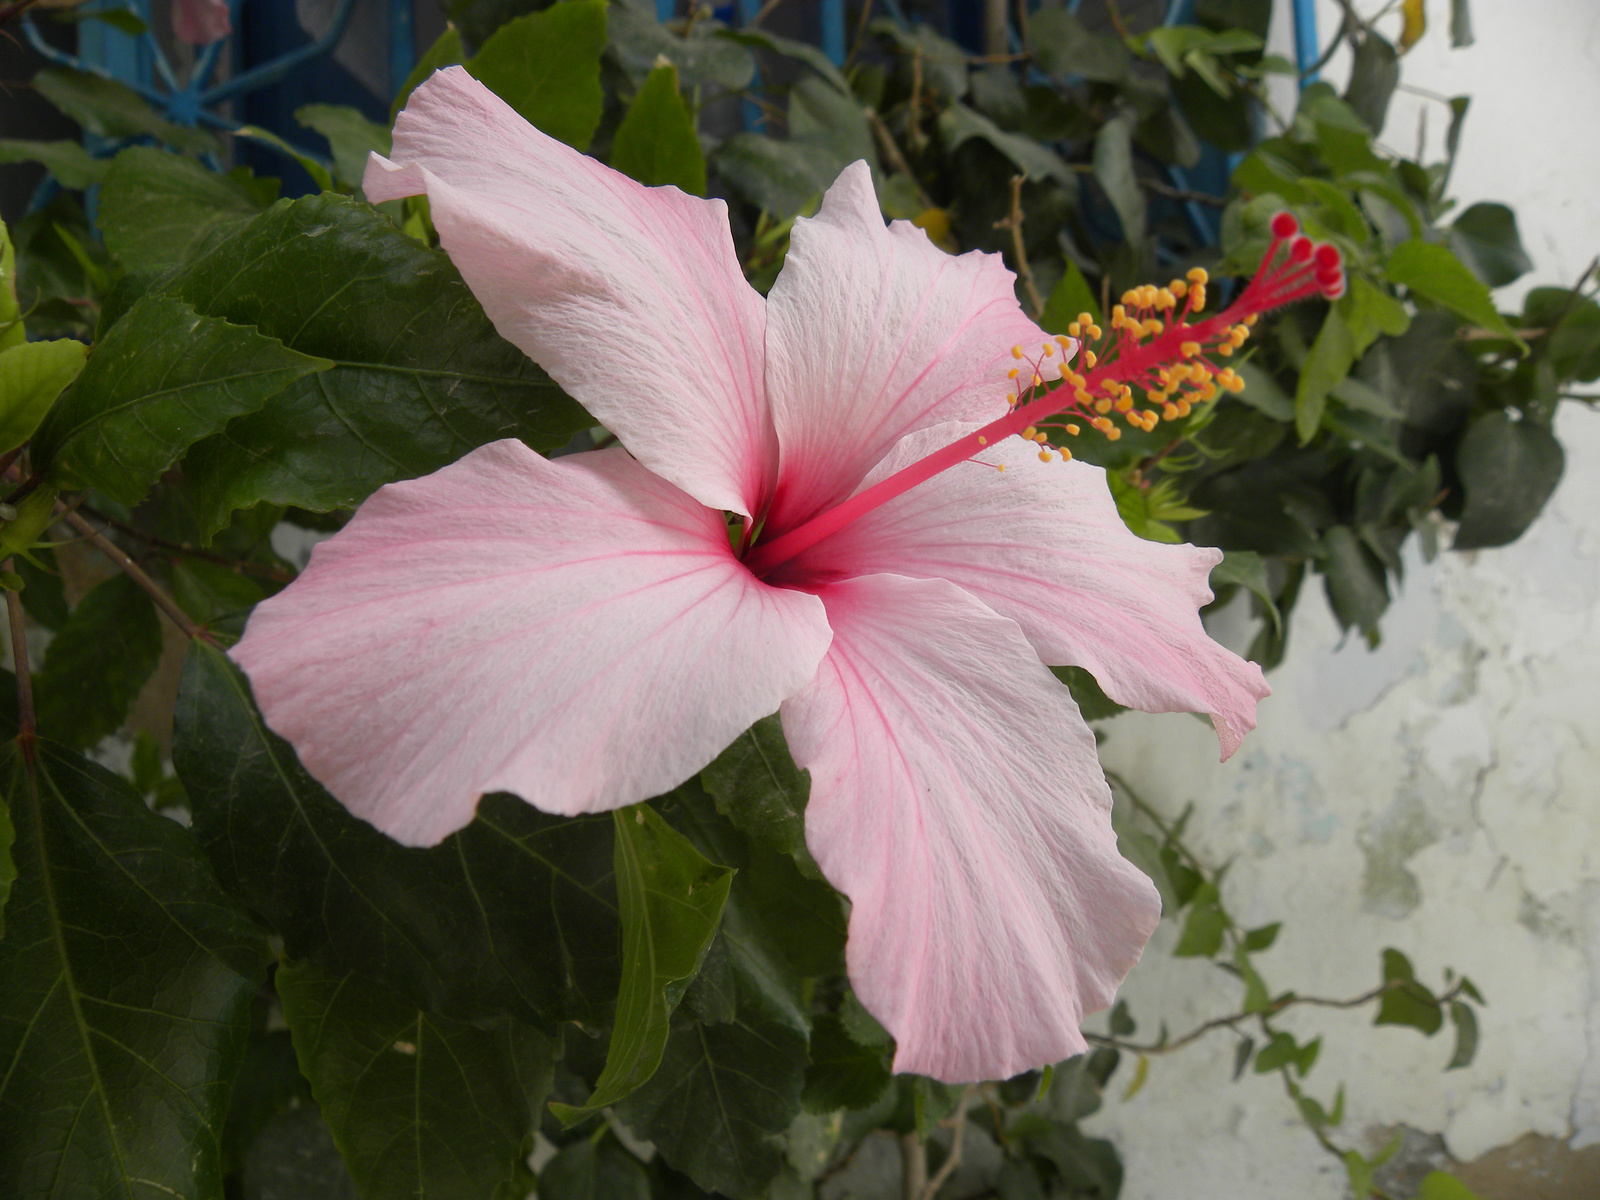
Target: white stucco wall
column 1441, row 794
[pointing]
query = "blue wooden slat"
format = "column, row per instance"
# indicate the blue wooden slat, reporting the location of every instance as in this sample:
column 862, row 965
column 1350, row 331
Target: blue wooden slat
column 1306, row 51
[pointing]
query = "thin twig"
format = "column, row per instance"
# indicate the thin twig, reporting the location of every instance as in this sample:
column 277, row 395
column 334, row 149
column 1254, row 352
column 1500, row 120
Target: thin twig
column 860, row 38
column 957, row 1124
column 265, row 570
column 914, row 1166
column 19, row 663
column 1013, row 222
column 136, row 573
column 891, row 151
column 1162, row 189
column 1272, row 1010
column 763, row 13
column 914, row 105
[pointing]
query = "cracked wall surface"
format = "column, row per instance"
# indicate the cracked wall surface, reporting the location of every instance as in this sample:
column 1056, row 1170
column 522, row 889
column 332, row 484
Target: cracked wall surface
column 1440, row 794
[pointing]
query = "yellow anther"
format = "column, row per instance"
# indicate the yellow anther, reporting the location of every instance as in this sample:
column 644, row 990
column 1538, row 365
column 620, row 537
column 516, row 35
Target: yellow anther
column 1102, row 406
column 1041, row 438
column 1072, row 431
column 1044, row 456
column 1251, row 319
column 1169, row 410
column 1134, row 418
column 1095, row 332
column 1066, row 455
column 1187, row 349
column 1197, row 296
column 1082, row 396
column 1166, row 298
column 1147, row 295
column 1226, row 349
column 1123, row 404
column 1011, row 374
column 1049, row 350
column 1074, row 329
column 1090, row 359
column 1064, row 341
column 1001, row 467
column 1208, row 391
column 1239, row 334
column 1037, row 381
column 1072, row 378
column 1178, row 288
column 1183, row 407
column 1101, row 423
column 1113, row 434
column 1130, row 297
column 1125, row 392
column 1016, row 352
column 1154, row 328
column 982, row 441
column 1197, row 275
column 1029, row 432
column 1119, row 316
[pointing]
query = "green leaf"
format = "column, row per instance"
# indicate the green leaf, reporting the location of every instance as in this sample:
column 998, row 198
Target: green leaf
column 114, row 110
column 1092, row 702
column 722, row 1095
column 419, row 1104
column 1063, row 47
column 546, row 65
column 587, row 1170
column 1370, row 311
column 1359, row 1171
column 1247, row 569
column 1241, row 1055
column 420, row 377
column 1113, row 167
column 958, row 123
column 154, row 206
column 1374, row 73
column 703, row 57
column 163, row 378
column 790, row 48
column 671, row 899
column 1329, row 361
column 1407, row 1003
column 843, row 1072
column 656, row 142
column 446, row 51
column 98, row 662
column 32, row 375
column 128, row 983
column 351, row 137
column 312, row 165
column 1356, row 585
column 1485, row 237
column 516, row 914
column 1466, row 1023
column 1435, row 273
column 784, row 178
column 1203, row 927
column 11, row 331
column 757, row 786
column 1068, row 298
column 1436, row 1185
column 1262, row 937
column 1282, row 1051
column 73, row 166
column 1508, row 469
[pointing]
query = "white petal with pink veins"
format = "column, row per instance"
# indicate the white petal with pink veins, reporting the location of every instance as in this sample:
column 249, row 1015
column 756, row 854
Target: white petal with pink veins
column 630, row 297
column 956, row 800
column 1042, row 543
column 577, row 632
column 873, row 332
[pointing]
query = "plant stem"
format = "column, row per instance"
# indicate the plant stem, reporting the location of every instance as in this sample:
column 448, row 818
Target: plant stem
column 136, row 573
column 914, row 1166
column 265, row 570
column 1013, row 222
column 26, row 735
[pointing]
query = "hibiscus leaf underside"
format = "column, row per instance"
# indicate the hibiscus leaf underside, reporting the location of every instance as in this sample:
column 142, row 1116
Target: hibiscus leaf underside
column 514, row 915
column 671, row 898
column 334, row 279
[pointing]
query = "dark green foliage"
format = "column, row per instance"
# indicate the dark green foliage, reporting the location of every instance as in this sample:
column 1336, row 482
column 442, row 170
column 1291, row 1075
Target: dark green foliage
column 128, row 976
column 99, row 660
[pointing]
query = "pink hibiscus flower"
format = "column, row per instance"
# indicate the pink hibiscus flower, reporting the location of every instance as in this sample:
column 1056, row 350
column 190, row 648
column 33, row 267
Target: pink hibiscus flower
column 584, row 633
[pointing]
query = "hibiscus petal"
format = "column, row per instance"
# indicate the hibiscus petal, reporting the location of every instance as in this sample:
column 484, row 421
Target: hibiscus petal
column 1042, row 543
column 630, row 297
column 577, row 632
column 873, row 332
column 956, row 799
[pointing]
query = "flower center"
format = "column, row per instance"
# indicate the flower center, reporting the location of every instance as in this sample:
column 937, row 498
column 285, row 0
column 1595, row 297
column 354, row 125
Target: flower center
column 1151, row 365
